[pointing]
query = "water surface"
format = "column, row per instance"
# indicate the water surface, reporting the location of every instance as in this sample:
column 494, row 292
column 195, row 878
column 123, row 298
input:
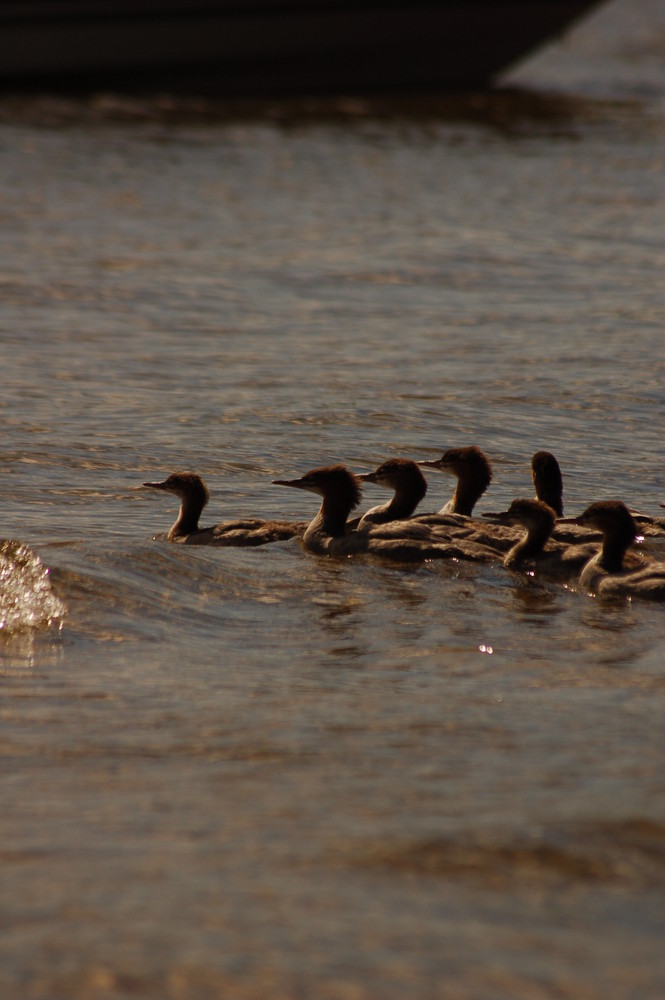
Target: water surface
column 261, row 773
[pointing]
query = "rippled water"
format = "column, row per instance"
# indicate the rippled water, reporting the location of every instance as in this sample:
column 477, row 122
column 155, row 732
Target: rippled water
column 258, row 773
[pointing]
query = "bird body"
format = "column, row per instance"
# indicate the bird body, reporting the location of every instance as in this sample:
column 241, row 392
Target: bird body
column 613, row 571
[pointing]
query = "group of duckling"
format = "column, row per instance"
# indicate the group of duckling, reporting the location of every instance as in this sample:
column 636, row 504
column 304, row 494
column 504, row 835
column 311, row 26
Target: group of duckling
column 531, row 535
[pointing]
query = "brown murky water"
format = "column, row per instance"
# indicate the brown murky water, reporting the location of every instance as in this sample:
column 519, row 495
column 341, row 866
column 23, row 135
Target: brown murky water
column 262, row 773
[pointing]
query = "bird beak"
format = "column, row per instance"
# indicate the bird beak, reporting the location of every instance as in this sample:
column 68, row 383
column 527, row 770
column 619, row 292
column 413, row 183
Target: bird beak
column 153, row 486
column 497, row 515
column 435, row 463
column 368, row 477
column 569, row 520
column 297, row 483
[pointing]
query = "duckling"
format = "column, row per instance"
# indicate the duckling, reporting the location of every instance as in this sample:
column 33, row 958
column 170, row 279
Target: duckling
column 194, row 495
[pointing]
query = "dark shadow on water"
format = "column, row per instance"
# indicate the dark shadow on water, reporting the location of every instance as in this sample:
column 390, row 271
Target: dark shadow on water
column 509, row 111
column 630, row 850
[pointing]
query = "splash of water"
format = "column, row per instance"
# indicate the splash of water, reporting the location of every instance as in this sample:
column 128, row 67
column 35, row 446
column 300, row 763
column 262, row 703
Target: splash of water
column 27, row 600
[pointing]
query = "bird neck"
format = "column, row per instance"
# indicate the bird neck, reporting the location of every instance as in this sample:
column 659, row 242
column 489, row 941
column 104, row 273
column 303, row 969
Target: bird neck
column 615, row 546
column 530, row 545
column 334, row 513
column 188, row 518
column 331, row 518
column 552, row 497
column 401, row 506
column 465, row 497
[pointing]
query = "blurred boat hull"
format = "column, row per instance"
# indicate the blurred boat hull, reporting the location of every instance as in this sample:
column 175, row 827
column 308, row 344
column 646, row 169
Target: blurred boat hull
column 252, row 48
